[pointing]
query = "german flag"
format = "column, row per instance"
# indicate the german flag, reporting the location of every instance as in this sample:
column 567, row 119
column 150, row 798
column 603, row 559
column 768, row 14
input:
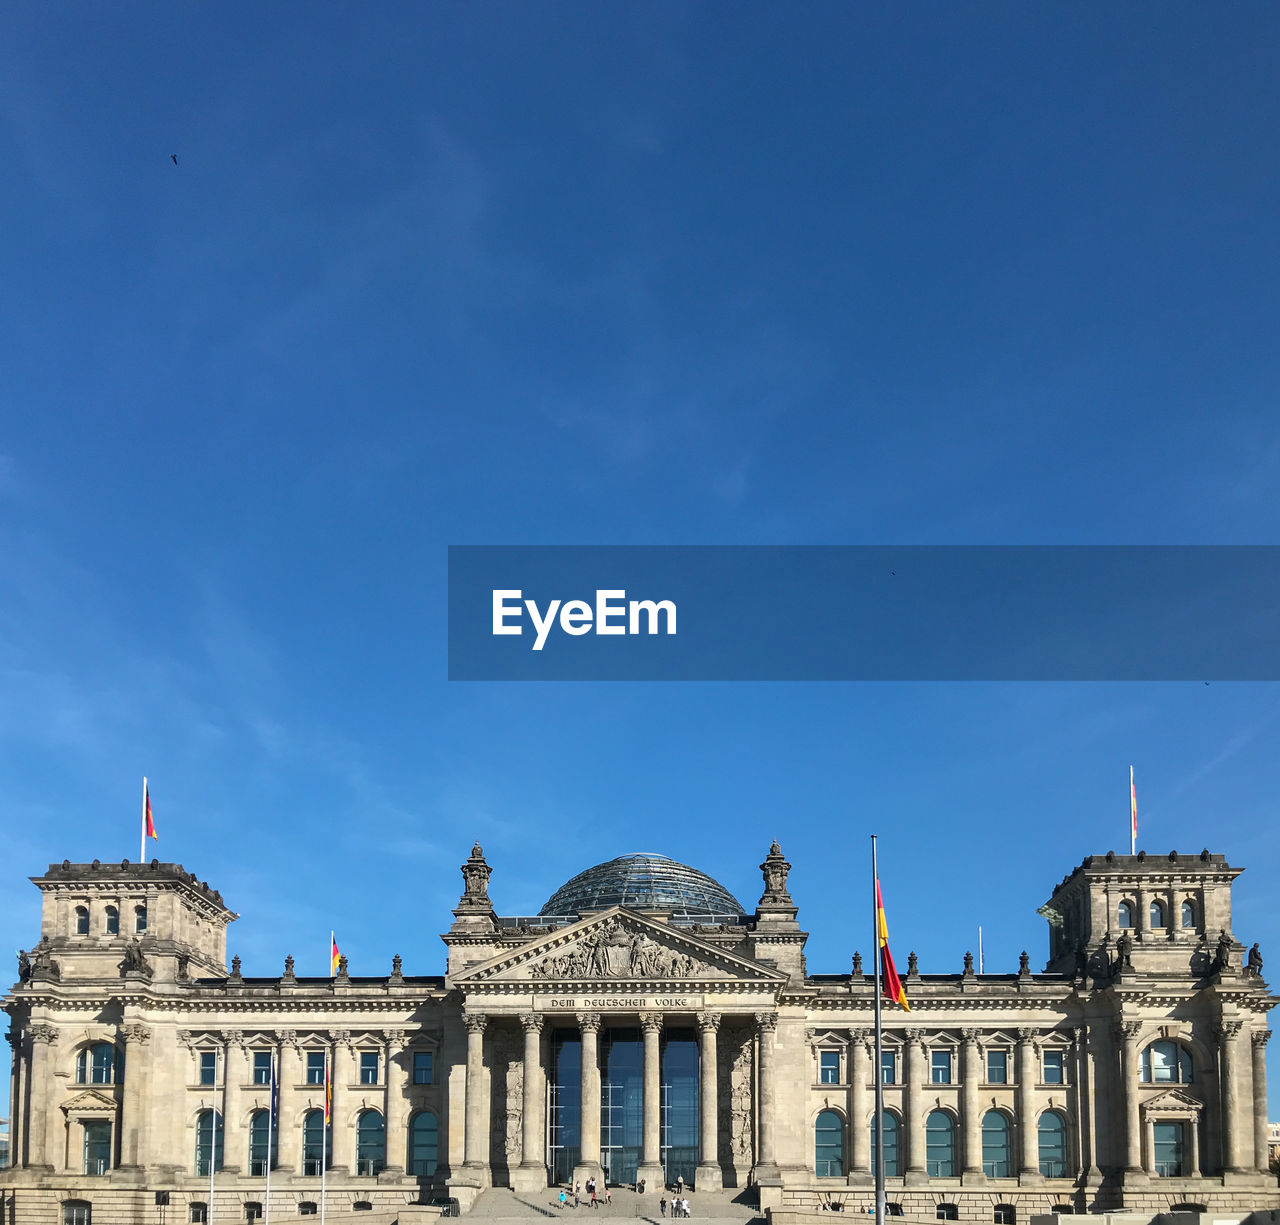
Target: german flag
column 334, row 955
column 148, row 825
column 890, row 983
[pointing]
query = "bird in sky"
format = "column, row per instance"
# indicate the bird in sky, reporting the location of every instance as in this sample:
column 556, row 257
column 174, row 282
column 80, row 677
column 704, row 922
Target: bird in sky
column 175, row 158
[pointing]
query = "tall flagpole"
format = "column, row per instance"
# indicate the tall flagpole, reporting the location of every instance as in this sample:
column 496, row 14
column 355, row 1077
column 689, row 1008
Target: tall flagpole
column 142, row 845
column 877, row 1070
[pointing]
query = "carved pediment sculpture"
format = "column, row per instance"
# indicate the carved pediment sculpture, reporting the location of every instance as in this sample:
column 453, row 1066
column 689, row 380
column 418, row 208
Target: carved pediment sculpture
column 616, row 946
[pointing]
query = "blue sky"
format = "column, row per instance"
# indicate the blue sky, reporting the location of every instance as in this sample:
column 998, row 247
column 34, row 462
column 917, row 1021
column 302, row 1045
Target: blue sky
column 579, row 273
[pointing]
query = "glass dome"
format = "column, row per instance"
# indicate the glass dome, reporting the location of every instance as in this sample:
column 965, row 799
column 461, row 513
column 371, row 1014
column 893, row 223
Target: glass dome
column 646, row 882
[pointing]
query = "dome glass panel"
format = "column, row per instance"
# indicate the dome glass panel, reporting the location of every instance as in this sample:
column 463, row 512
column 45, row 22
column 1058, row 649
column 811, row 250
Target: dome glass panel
column 645, row 882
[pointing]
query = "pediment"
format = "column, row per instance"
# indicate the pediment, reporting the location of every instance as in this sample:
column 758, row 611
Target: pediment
column 1173, row 1102
column 90, row 1101
column 618, row 945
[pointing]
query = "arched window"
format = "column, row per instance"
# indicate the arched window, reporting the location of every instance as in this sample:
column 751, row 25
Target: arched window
column 828, row 1145
column 1124, row 915
column 113, row 921
column 940, row 1145
column 317, row 1148
column 424, row 1144
column 252, row 1210
column 208, row 1141
column 371, row 1143
column 995, row 1144
column 262, row 1134
column 76, row 1212
column 1005, row 1214
column 1157, row 914
column 1188, row 914
column 947, row 1212
column 82, row 920
column 140, row 919
column 1052, row 1135
column 1166, row 1063
column 197, row 1212
column 98, row 1065
column 892, row 1167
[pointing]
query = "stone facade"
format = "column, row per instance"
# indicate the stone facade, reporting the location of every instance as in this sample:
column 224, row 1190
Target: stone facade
column 1130, row 1074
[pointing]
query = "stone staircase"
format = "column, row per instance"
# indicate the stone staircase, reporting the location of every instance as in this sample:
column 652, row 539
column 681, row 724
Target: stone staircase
column 708, row 1208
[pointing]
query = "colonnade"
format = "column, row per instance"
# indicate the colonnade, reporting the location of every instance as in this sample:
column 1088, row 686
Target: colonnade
column 589, row 1027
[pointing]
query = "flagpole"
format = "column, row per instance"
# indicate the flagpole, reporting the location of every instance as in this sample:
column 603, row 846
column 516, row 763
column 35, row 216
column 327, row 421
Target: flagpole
column 142, row 844
column 877, row 1069
column 980, row 970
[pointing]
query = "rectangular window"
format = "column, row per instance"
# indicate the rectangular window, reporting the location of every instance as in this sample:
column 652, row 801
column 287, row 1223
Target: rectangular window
column 829, row 1067
column 261, row 1067
column 997, row 1067
column 889, row 1071
column 368, row 1067
column 421, row 1067
column 76, row 1212
column 208, row 1067
column 940, row 1067
column 315, row 1067
column 1053, row 1068
column 306, row 1208
column 1167, row 1149
column 97, row 1147
column 199, row 1213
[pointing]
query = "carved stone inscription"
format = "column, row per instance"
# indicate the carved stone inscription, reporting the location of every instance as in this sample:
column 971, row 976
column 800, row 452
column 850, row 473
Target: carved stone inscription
column 634, row 1003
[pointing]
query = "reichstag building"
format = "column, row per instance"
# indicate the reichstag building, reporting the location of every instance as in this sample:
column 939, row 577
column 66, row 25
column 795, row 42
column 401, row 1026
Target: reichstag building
column 644, row 1026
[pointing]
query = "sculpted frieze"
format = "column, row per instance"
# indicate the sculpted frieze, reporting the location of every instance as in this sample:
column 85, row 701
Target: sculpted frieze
column 611, row 951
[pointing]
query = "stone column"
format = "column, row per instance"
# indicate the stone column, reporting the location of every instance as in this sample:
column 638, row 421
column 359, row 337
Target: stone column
column 1193, row 1146
column 233, row 1074
column 394, row 1109
column 1028, row 1149
column 475, row 1141
column 1235, row 1130
column 589, row 1113
column 651, row 1153
column 1129, row 1068
column 133, row 1123
column 860, row 1133
column 709, row 1176
column 1261, row 1157
column 289, row 1144
column 344, row 1136
column 914, row 1104
column 970, row 1117
column 532, row 1131
column 39, row 1095
column 766, row 1154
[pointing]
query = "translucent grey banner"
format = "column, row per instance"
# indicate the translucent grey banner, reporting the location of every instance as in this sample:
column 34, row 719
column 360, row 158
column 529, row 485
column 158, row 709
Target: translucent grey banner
column 815, row 613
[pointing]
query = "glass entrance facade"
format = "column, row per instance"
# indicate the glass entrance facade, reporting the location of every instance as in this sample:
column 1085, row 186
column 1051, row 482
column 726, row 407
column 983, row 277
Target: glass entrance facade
column 680, row 1105
column 564, row 1112
column 622, row 1104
